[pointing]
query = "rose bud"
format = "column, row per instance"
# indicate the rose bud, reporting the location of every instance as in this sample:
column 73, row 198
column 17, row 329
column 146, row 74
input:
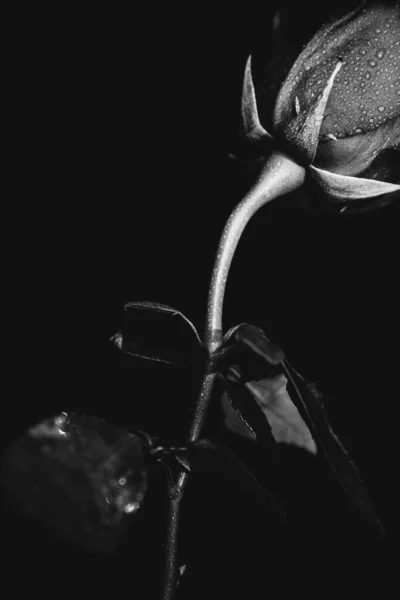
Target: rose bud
column 337, row 113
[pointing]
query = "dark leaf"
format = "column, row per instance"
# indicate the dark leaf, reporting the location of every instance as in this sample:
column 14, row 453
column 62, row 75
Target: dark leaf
column 307, row 400
column 291, row 411
column 159, row 333
column 248, row 346
column 286, row 424
column 234, row 420
column 243, row 416
column 81, row 477
column 246, row 355
column 211, row 457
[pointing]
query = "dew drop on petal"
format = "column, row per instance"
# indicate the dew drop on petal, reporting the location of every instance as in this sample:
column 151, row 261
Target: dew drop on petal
column 381, row 108
column 372, row 63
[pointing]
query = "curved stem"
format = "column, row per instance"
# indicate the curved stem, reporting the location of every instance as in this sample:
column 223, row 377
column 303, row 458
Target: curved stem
column 280, row 175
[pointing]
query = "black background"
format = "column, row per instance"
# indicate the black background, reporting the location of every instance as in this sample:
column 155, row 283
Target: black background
column 122, row 119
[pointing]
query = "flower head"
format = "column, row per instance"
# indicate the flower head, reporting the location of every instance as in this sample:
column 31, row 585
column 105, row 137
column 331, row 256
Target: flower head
column 338, row 110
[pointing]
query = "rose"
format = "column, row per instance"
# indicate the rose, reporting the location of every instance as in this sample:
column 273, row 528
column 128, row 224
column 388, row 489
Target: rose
column 338, row 110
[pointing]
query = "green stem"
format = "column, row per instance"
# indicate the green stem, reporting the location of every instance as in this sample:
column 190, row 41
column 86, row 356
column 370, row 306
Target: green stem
column 280, row 175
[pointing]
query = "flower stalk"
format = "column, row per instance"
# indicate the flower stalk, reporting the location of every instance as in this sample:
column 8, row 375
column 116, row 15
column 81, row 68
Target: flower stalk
column 280, row 175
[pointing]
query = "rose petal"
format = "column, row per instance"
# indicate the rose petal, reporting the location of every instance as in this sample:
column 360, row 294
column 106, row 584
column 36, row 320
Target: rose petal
column 354, row 154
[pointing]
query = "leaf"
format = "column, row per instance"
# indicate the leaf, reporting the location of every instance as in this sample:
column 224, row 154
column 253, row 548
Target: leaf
column 255, row 339
column 248, row 346
column 162, row 308
column 286, row 424
column 234, row 420
column 81, row 477
column 290, row 407
column 211, row 457
column 152, row 333
column 307, row 400
column 247, row 355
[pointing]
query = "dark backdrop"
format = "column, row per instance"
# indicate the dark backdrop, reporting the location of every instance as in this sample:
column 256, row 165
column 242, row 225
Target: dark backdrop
column 123, row 119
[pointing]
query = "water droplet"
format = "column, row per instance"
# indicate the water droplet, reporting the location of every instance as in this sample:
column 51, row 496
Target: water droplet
column 380, row 53
column 381, row 108
column 377, row 30
column 131, row 507
column 363, row 52
column 358, row 130
column 372, row 63
column 367, row 75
